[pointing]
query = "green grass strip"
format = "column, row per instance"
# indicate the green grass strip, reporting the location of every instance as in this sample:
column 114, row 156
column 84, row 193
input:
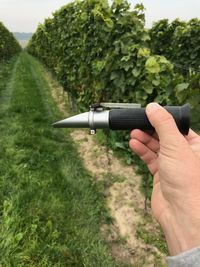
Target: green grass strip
column 50, row 208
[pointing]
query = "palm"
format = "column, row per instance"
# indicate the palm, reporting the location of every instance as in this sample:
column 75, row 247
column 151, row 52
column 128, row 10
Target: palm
column 146, row 147
column 159, row 202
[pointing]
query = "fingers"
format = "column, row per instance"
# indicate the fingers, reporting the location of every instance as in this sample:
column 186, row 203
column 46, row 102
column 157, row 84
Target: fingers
column 164, row 125
column 151, row 133
column 146, row 139
column 146, row 154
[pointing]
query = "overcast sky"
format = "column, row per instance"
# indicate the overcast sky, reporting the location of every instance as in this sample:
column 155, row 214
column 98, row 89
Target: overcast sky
column 24, row 15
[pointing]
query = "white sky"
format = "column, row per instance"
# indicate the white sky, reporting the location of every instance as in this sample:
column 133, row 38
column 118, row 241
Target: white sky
column 24, row 15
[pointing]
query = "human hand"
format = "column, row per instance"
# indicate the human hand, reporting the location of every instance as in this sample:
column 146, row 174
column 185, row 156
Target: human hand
column 174, row 161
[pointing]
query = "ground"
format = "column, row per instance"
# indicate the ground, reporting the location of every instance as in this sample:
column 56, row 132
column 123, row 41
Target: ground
column 122, row 193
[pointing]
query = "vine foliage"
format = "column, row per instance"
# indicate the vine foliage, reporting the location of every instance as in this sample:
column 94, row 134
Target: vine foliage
column 99, row 52
column 8, row 44
column 179, row 41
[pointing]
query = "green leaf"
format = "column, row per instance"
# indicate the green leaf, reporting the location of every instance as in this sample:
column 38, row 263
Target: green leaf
column 181, row 87
column 109, row 23
column 194, row 98
column 148, row 89
column 98, row 66
column 156, row 82
column 114, row 75
column 119, row 145
column 180, row 92
column 152, row 65
column 143, row 52
column 83, row 17
column 164, row 60
column 117, row 2
column 136, row 72
column 126, row 58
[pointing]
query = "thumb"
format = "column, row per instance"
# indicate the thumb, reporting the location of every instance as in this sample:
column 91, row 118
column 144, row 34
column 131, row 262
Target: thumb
column 164, row 124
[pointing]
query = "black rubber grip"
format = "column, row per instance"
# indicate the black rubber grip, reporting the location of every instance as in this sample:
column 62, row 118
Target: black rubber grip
column 136, row 118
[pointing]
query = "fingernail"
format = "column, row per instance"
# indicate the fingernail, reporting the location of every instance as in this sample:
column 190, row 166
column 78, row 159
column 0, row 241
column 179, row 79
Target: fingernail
column 152, row 107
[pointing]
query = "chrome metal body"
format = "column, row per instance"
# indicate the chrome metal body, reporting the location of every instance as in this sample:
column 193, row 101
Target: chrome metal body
column 96, row 118
column 93, row 119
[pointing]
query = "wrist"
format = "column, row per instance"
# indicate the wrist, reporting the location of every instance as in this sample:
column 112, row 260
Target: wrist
column 181, row 235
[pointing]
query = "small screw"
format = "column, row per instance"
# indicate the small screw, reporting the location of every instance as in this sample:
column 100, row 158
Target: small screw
column 92, row 132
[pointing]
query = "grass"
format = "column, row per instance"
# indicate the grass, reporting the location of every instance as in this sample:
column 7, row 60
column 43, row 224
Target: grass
column 155, row 238
column 6, row 68
column 50, row 208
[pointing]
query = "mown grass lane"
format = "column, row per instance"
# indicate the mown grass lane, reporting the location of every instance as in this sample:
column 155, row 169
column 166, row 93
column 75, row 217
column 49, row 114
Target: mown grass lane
column 50, row 208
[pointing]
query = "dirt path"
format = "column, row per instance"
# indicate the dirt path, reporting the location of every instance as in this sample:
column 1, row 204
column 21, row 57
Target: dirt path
column 124, row 199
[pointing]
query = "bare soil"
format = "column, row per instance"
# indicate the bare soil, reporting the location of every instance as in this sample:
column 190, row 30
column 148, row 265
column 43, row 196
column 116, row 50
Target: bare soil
column 122, row 194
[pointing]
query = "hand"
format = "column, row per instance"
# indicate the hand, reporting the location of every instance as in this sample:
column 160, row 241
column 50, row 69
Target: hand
column 174, row 161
